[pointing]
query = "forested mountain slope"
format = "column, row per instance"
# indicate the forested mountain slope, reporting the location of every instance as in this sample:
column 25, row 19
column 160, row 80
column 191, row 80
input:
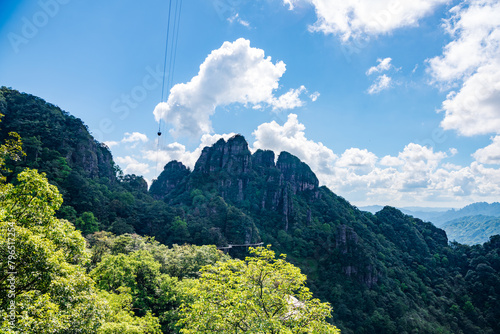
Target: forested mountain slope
column 382, row 273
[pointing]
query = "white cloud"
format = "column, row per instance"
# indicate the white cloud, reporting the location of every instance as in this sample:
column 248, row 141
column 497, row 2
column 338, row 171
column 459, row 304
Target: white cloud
column 234, row 73
column 314, row 96
column 475, row 109
column 236, row 18
column 290, row 137
column 354, row 18
column 420, row 158
column 471, row 62
column 490, row 154
column 132, row 166
column 391, row 161
column 381, row 83
column 111, row 143
column 289, row 3
column 134, row 137
column 416, row 174
column 356, row 160
column 383, row 65
column 289, row 100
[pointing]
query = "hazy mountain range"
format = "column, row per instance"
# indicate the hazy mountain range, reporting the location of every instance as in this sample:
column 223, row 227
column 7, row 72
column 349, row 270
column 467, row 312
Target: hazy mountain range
column 472, row 224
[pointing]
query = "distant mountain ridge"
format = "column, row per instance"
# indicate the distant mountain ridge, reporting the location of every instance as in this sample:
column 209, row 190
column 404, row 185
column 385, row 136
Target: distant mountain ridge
column 472, row 230
column 478, row 208
column 472, row 224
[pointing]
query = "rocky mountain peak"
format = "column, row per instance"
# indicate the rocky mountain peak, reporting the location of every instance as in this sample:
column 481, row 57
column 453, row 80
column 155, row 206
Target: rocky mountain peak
column 172, row 175
column 263, row 159
column 232, row 156
column 297, row 173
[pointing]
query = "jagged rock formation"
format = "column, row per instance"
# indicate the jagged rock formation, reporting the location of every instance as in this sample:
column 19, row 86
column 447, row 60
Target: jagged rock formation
column 241, row 176
column 173, row 174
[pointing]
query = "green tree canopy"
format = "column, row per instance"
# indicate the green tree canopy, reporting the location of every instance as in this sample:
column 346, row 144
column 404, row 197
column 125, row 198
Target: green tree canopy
column 259, row 295
column 43, row 281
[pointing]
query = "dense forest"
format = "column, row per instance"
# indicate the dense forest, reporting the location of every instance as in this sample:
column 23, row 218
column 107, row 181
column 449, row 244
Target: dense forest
column 381, row 273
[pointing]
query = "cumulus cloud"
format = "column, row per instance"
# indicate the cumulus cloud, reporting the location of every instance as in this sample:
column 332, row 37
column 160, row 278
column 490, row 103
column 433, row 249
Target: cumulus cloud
column 383, row 65
column 490, row 154
column 234, row 73
column 357, row 160
column 291, row 137
column 132, row 166
column 134, row 137
column 131, row 139
column 471, row 62
column 391, row 161
column 289, row 100
column 382, row 82
column 354, row 18
column 416, row 173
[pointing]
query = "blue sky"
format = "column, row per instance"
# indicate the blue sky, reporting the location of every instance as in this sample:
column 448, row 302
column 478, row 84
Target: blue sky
column 389, row 102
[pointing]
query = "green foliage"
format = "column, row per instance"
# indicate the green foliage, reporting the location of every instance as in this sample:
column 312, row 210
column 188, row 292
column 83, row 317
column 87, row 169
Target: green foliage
column 259, row 295
column 187, row 260
column 10, row 150
column 149, row 270
column 52, row 292
column 151, row 290
column 43, row 286
column 87, row 223
column 121, row 319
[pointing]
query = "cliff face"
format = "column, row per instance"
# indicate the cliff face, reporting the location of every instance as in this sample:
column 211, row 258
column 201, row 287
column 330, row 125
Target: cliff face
column 242, row 177
column 173, row 174
column 233, row 157
column 50, row 133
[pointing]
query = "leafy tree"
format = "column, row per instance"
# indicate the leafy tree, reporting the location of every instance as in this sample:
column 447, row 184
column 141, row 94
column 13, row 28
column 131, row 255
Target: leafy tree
column 87, row 223
column 151, row 291
column 120, row 318
column 259, row 295
column 11, row 149
column 43, row 286
column 43, row 283
column 186, row 261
